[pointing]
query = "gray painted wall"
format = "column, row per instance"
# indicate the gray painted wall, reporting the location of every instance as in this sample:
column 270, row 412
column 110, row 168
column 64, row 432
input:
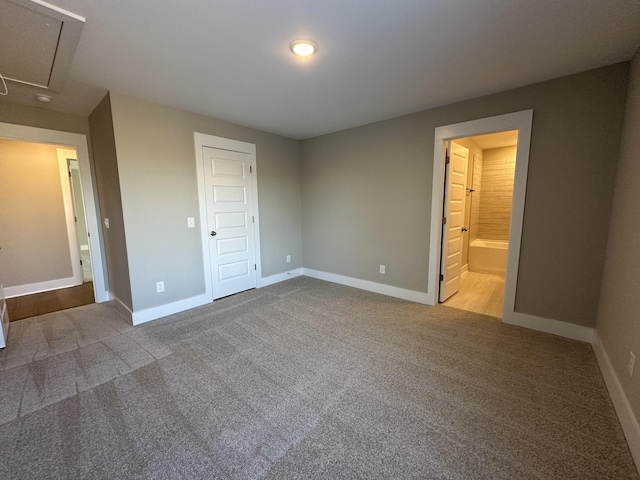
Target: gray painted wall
column 367, row 190
column 157, row 175
column 618, row 317
column 33, row 228
column 41, row 117
column 106, row 169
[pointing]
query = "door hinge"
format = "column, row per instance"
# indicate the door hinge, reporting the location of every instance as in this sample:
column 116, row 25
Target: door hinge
column 447, row 160
column 255, row 267
column 76, row 219
column 250, row 169
column 69, row 173
column 80, row 262
column 444, row 220
column 441, row 277
column 253, row 219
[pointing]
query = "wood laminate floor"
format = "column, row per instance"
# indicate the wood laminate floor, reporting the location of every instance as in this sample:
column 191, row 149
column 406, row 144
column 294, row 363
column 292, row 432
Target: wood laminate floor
column 27, row 306
column 479, row 293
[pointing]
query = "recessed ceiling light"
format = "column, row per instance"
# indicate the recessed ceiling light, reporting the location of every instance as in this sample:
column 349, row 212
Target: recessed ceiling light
column 303, row 48
column 43, row 98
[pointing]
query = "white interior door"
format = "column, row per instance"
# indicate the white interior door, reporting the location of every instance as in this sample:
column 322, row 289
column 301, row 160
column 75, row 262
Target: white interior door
column 454, row 204
column 230, row 219
column 81, row 219
column 64, row 155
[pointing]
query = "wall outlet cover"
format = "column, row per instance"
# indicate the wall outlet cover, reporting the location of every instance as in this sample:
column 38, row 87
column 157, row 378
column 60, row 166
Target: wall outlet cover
column 383, row 269
column 159, row 287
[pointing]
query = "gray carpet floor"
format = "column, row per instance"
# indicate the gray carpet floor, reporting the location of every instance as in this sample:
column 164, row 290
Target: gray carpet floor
column 303, row 379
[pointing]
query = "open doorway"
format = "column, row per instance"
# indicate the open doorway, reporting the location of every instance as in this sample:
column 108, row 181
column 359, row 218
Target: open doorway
column 479, row 188
column 43, row 227
column 78, row 142
column 522, row 123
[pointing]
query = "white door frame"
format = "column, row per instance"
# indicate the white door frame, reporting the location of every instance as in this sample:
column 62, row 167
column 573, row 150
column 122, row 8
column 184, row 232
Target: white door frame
column 79, row 142
column 204, row 140
column 521, row 121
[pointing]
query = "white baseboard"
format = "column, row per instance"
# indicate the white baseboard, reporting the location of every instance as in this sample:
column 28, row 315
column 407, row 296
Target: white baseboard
column 39, row 287
column 547, row 325
column 153, row 313
column 279, row 277
column 626, row 416
column 148, row 314
column 411, row 295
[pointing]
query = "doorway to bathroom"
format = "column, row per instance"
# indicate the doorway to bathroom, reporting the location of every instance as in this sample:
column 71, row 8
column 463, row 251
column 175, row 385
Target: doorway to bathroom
column 479, row 179
column 521, row 122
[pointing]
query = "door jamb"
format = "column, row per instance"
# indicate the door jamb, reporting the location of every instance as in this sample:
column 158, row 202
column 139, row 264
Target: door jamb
column 205, row 140
column 521, row 121
column 79, row 142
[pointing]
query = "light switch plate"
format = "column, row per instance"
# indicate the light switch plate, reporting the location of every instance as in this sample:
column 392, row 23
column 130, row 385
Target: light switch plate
column 191, row 222
column 106, row 222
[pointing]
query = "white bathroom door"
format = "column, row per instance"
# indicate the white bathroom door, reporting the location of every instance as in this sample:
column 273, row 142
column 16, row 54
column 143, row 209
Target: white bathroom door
column 230, row 219
column 453, row 219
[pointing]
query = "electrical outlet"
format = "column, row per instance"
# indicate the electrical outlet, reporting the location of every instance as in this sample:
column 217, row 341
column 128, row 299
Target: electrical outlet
column 159, row 287
column 106, row 222
column 383, row 269
column 191, row 222
column 288, row 258
column 632, row 362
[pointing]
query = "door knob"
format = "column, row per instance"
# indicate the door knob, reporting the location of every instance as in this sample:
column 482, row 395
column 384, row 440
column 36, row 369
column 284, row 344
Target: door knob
column 464, row 229
column 213, row 233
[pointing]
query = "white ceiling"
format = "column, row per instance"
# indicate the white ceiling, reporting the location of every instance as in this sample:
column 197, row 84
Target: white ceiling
column 376, row 59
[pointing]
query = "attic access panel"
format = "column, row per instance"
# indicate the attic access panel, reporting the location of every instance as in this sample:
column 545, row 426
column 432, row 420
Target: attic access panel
column 38, row 42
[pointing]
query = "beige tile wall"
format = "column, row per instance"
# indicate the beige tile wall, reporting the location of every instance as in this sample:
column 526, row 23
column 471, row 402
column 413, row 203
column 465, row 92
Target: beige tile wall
column 475, row 198
column 498, row 168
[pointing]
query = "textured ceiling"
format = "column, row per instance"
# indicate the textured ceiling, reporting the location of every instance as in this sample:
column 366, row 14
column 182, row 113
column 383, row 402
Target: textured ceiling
column 377, row 59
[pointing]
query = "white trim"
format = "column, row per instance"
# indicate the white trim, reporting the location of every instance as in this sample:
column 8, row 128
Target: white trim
column 4, row 319
column 79, row 142
column 279, row 277
column 411, row 295
column 555, row 327
column 464, row 269
column 39, row 287
column 4, row 333
column 153, row 313
column 628, row 420
column 67, row 198
column 521, row 121
column 204, row 140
